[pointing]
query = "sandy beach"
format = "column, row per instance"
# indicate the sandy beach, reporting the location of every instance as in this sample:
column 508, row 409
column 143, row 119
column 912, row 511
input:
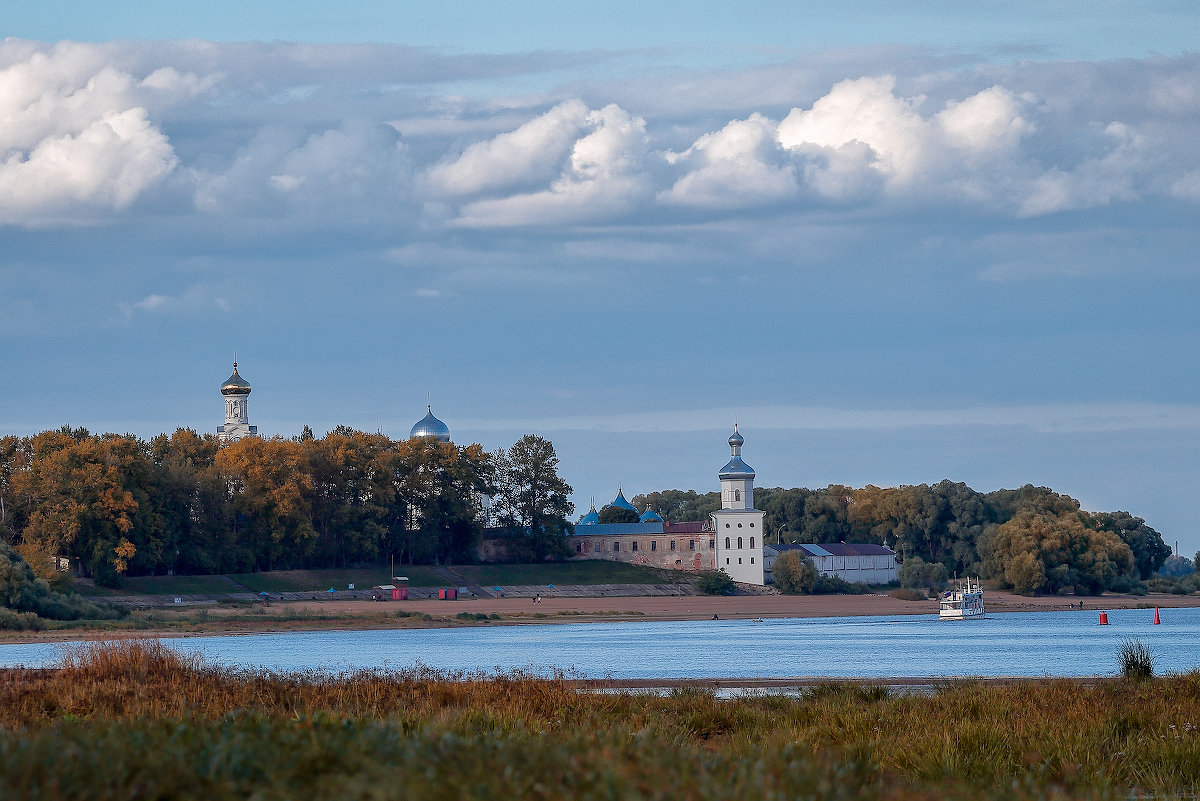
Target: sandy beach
column 341, row 615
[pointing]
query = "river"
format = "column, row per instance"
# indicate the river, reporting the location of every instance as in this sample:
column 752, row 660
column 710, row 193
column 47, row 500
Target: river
column 1009, row 644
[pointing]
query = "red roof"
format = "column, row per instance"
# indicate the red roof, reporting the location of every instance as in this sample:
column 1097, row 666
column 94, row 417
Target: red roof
column 686, row 528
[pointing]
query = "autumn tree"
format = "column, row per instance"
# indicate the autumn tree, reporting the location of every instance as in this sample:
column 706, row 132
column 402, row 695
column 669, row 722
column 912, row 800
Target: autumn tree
column 794, row 573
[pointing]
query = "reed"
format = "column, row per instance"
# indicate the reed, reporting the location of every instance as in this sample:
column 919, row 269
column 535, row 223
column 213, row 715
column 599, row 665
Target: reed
column 135, row 719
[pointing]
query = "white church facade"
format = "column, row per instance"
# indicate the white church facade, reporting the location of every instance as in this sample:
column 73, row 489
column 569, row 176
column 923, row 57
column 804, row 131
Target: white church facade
column 730, row 540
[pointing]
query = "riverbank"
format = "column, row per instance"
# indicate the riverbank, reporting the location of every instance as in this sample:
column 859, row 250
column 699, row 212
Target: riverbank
column 321, row 615
column 188, row 730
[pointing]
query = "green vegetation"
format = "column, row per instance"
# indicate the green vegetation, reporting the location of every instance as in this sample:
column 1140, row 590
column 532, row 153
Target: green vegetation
column 1135, row 660
column 137, row 721
column 1030, row 539
column 714, row 582
column 916, row 572
column 794, row 573
column 564, row 573
column 27, row 601
column 363, row 578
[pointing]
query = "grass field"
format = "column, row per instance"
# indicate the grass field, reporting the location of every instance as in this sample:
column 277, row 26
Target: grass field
column 583, row 572
column 135, row 720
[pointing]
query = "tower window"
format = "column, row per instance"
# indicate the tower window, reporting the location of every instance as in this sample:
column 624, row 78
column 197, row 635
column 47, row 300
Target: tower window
column 726, row 560
column 751, row 543
column 727, row 542
column 654, row 545
column 739, row 560
column 751, row 560
column 737, row 495
column 739, row 543
column 635, row 546
column 616, row 546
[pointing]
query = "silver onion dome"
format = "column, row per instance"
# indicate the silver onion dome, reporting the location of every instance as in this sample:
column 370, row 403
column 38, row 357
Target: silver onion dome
column 430, row 426
column 235, row 384
column 736, row 468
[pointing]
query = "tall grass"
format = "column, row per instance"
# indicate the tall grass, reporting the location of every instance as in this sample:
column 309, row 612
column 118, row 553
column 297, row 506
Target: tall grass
column 137, row 720
column 1135, row 659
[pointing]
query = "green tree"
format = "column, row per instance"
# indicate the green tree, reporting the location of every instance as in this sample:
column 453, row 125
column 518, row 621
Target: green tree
column 714, row 582
column 1146, row 544
column 680, row 506
column 618, row 514
column 532, row 501
column 794, row 573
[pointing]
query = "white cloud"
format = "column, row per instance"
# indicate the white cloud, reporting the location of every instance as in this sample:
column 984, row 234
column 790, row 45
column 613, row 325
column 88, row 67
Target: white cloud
column 533, row 152
column 862, row 135
column 348, row 172
column 736, row 166
column 196, row 299
column 604, row 177
column 73, row 139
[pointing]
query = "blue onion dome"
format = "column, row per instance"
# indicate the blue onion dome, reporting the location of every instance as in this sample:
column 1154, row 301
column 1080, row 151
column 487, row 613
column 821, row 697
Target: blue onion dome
column 235, row 384
column 650, row 516
column 620, row 501
column 430, row 426
column 735, row 438
column 591, row 518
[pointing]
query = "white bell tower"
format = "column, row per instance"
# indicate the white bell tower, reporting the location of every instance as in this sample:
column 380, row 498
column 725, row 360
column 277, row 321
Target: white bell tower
column 237, row 416
column 738, row 525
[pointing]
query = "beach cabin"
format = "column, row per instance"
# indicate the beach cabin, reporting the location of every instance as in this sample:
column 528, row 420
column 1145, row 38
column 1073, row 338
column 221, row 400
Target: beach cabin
column 397, row 591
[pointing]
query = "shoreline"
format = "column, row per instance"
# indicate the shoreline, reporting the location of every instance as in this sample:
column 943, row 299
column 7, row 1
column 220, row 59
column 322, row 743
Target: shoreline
column 296, row 616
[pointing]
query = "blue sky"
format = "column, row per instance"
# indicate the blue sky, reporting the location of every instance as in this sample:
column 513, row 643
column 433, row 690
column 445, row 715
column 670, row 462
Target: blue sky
column 944, row 241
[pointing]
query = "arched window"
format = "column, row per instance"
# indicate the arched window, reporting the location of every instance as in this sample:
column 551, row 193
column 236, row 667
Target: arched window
column 727, row 542
column 752, row 542
column 737, row 495
column 739, row 543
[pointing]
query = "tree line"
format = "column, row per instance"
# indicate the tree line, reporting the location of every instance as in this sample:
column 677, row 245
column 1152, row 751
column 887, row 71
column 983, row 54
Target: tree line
column 115, row 504
column 1030, row 539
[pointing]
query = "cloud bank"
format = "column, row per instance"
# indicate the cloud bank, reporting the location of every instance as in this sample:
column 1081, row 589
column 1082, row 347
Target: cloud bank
column 313, row 133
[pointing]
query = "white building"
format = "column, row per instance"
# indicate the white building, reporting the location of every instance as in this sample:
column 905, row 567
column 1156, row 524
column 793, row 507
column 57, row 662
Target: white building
column 236, row 391
column 738, row 525
column 852, row 561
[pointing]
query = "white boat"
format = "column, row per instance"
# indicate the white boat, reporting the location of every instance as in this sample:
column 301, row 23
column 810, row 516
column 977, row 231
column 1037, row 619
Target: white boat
column 963, row 602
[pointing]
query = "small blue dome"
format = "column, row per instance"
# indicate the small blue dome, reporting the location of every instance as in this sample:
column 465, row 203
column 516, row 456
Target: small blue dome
column 620, row 501
column 430, row 426
column 650, row 516
column 590, row 519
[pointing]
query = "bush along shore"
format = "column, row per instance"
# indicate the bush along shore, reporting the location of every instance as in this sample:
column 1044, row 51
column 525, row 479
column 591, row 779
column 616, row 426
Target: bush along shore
column 136, row 720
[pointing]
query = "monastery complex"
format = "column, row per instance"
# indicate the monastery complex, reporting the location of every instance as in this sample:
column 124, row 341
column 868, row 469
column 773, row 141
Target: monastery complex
column 732, row 539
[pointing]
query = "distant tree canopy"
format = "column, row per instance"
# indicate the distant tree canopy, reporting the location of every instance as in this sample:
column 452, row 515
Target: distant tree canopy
column 618, row 514
column 185, row 502
column 1031, row 538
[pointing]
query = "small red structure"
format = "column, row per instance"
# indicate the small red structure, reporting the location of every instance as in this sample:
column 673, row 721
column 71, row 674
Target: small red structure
column 448, row 594
column 1104, row 618
column 1156, row 619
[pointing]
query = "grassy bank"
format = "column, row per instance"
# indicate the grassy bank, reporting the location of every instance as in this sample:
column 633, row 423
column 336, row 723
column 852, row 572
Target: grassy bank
column 558, row 573
column 138, row 721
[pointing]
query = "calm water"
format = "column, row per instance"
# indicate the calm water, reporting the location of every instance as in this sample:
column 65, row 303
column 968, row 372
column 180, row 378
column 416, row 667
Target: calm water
column 1012, row 644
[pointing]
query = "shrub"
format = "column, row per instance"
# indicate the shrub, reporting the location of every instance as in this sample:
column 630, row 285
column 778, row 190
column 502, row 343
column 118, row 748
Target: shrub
column 1135, row 659
column 714, row 582
column 19, row 621
column 794, row 573
column 909, row 594
column 916, row 572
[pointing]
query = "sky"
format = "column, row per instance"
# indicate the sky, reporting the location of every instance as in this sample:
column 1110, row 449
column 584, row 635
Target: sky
column 897, row 245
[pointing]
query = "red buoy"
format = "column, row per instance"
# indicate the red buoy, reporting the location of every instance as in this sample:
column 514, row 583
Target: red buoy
column 1104, row 618
column 1156, row 620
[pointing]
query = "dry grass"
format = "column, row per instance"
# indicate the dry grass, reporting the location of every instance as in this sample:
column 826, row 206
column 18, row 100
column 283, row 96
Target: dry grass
column 136, row 720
